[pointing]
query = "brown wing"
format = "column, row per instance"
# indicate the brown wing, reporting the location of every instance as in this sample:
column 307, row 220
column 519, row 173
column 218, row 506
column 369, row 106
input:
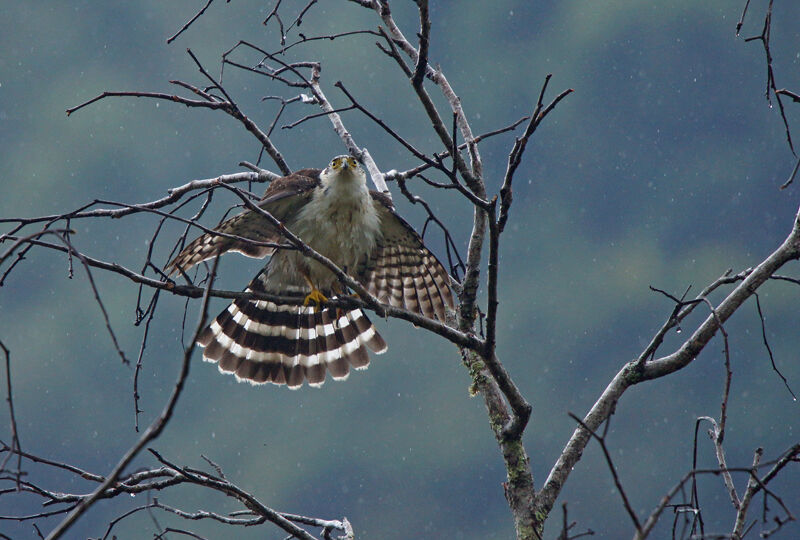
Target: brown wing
column 283, row 197
column 401, row 271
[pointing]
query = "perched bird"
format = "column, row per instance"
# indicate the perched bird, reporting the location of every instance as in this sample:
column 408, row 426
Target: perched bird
column 334, row 212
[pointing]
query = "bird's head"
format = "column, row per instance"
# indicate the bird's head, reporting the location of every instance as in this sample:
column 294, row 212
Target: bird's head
column 343, row 168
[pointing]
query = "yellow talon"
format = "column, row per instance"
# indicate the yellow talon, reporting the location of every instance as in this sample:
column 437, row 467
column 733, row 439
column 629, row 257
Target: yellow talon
column 316, row 297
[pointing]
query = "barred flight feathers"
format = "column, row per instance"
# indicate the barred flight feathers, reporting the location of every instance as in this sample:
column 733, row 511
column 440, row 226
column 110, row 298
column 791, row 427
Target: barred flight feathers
column 401, row 271
column 282, row 198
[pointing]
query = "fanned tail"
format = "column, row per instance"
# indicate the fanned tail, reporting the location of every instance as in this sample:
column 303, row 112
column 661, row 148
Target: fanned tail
column 264, row 342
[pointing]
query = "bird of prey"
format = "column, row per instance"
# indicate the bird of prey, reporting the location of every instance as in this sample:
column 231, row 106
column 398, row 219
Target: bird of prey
column 332, row 211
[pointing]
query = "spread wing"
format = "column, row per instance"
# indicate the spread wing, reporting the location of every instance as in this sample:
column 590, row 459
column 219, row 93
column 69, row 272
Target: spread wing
column 283, row 197
column 401, row 271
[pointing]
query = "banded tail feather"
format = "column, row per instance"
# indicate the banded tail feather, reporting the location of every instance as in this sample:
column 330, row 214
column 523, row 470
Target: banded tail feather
column 260, row 341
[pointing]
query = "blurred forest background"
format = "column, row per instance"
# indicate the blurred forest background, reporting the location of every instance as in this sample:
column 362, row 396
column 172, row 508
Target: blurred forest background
column 661, row 169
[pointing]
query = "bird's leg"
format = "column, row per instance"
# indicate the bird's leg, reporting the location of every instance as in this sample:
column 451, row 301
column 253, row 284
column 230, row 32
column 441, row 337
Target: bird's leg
column 339, row 289
column 315, row 295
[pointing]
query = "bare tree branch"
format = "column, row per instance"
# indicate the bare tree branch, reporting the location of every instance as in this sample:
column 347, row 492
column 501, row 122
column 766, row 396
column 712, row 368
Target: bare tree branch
column 16, row 447
column 634, row 372
column 190, row 22
column 461, row 164
column 601, row 439
column 152, row 432
column 209, row 102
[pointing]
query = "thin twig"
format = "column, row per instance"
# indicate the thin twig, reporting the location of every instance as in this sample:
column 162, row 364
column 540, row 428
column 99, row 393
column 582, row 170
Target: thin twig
column 769, row 349
column 137, row 370
column 16, row 446
column 602, row 441
column 189, row 22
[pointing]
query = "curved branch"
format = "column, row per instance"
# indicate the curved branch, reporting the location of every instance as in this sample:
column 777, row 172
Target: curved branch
column 635, row 372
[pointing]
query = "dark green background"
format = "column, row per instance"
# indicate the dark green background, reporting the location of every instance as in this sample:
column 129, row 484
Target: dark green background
column 661, row 169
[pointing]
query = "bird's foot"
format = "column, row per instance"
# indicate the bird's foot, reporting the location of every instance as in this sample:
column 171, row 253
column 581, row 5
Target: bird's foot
column 316, row 297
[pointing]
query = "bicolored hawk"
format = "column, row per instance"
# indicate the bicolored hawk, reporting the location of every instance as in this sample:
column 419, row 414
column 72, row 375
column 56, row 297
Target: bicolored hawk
column 334, row 212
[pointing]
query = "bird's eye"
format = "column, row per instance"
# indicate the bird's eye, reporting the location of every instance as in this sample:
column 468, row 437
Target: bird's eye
column 336, row 163
column 352, row 162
